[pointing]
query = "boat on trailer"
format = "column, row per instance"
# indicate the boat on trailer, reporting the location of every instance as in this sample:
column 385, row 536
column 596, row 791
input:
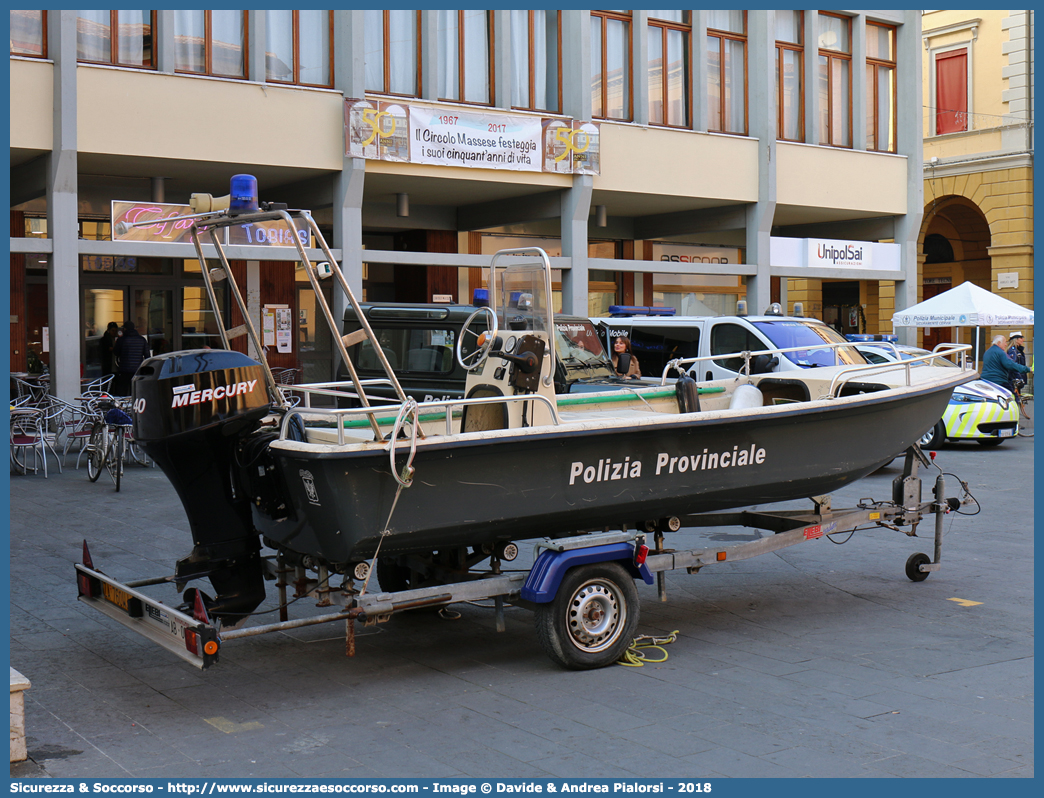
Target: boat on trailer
column 423, row 493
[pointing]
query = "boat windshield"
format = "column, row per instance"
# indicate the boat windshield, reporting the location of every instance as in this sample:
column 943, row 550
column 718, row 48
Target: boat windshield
column 522, row 300
column 789, row 333
column 578, row 346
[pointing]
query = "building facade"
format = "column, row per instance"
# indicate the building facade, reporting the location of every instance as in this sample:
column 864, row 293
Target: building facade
column 713, row 156
column 978, row 156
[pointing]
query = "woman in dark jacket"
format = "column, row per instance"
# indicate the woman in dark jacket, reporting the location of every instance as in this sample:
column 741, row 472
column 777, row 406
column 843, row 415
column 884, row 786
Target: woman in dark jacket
column 130, row 351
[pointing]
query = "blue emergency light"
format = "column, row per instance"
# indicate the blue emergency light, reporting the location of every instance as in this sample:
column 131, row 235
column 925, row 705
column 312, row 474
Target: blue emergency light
column 640, row 310
column 242, row 195
column 863, row 338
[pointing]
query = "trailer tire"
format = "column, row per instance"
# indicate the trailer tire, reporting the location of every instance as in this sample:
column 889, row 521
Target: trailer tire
column 391, row 576
column 592, row 618
column 913, row 566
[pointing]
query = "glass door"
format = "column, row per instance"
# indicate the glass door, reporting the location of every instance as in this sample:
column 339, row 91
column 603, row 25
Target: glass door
column 101, row 306
column 154, row 318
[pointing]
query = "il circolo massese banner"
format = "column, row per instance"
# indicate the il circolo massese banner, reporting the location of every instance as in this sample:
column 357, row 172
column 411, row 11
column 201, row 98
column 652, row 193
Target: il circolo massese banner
column 428, row 133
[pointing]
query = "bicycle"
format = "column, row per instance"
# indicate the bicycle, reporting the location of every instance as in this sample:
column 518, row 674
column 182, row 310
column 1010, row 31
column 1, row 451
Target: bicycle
column 107, row 445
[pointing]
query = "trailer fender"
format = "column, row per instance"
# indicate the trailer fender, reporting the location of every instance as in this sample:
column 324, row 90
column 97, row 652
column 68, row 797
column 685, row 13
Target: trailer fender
column 549, row 568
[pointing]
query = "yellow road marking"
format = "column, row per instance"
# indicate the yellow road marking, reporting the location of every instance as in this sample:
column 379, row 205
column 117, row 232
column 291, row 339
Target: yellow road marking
column 230, row 727
column 965, row 602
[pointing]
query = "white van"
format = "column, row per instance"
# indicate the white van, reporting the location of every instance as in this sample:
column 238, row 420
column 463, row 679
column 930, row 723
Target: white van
column 656, row 340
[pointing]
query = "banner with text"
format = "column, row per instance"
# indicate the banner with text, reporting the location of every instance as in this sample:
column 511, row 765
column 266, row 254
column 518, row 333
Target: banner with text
column 439, row 135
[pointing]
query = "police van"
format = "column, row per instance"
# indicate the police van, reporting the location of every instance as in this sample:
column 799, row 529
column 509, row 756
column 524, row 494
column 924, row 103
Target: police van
column 419, row 341
column 658, row 337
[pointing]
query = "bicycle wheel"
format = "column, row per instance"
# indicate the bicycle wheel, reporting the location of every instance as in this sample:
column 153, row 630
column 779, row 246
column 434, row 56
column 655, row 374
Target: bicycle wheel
column 116, row 466
column 96, row 456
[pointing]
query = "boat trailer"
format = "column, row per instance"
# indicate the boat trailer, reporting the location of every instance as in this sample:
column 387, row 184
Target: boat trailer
column 594, row 571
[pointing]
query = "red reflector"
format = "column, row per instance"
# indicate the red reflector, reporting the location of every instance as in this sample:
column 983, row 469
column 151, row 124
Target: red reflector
column 83, row 584
column 640, row 554
column 192, row 641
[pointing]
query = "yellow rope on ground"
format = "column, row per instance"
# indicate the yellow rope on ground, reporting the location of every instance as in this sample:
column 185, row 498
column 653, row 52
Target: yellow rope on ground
column 635, row 656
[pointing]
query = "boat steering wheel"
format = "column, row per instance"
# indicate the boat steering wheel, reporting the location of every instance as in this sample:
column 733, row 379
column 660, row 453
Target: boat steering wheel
column 475, row 359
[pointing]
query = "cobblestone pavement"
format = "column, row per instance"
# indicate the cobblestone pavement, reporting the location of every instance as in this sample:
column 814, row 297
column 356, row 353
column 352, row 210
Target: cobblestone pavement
column 819, row 660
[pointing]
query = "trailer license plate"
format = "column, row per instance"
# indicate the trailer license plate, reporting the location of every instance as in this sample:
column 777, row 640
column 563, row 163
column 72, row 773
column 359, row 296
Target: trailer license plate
column 121, row 598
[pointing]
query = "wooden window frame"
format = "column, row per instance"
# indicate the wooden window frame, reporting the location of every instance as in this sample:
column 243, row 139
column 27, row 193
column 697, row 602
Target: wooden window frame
column 837, row 55
column 114, row 43
column 872, row 87
column 531, row 61
column 386, row 55
column 43, row 43
column 461, row 65
column 686, row 30
column 208, row 49
column 722, row 36
column 798, row 48
column 296, row 81
column 629, row 19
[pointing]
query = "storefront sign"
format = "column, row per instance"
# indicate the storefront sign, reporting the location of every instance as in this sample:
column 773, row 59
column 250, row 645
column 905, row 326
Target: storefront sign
column 274, row 233
column 694, row 253
column 833, row 254
column 161, row 230
column 439, row 135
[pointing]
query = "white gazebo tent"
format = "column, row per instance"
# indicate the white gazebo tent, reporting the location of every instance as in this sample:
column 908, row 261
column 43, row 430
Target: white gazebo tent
column 967, row 305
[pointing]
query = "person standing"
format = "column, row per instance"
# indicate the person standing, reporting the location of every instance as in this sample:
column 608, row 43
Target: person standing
column 106, row 346
column 998, row 368
column 1017, row 348
column 130, row 351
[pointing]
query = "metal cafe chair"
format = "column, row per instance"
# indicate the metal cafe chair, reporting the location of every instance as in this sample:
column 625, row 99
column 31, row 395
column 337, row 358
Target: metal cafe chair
column 30, row 432
column 33, row 391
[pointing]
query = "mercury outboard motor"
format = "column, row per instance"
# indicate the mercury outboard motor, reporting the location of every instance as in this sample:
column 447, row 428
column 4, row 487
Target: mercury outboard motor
column 191, row 409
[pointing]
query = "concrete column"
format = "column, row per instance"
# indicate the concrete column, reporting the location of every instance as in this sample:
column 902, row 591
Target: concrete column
column 349, row 78
column 253, row 301
column 576, row 64
column 576, row 207
column 908, row 120
column 63, row 277
column 165, row 55
column 257, row 32
column 761, row 104
column 699, row 70
column 640, row 66
column 859, row 84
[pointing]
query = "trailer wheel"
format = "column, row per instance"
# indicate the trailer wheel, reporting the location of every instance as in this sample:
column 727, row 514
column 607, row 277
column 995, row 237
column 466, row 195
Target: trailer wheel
column 591, row 620
column 913, row 566
column 391, row 576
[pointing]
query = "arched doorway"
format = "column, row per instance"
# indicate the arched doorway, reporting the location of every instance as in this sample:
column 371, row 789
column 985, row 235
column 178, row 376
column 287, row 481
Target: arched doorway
column 955, row 241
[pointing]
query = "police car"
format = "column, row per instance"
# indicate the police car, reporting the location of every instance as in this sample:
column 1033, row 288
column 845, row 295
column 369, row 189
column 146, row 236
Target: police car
column 978, row 410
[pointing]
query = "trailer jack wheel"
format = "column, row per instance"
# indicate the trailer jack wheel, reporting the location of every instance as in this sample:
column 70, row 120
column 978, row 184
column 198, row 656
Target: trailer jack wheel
column 913, row 566
column 591, row 620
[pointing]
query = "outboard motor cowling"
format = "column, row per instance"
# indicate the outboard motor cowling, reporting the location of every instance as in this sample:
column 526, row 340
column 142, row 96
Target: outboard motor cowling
column 191, row 409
